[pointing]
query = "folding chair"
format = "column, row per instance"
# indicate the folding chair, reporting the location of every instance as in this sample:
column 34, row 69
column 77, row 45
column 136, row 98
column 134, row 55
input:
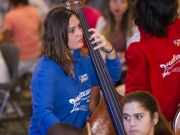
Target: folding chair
column 10, row 53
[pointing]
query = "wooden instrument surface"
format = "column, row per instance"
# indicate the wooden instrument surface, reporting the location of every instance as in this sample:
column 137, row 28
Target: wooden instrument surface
column 100, row 121
column 176, row 123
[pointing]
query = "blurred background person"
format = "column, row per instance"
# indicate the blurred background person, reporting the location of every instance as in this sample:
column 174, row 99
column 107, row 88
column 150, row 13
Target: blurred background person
column 42, row 6
column 4, row 6
column 117, row 26
column 21, row 26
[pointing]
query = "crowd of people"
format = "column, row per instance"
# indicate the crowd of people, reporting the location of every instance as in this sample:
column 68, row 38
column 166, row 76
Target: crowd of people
column 139, row 41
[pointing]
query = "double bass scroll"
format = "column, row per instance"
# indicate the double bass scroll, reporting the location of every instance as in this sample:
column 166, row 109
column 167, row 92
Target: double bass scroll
column 109, row 93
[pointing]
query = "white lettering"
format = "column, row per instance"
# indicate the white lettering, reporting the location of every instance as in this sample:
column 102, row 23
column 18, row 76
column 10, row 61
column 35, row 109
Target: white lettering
column 85, row 95
column 168, row 67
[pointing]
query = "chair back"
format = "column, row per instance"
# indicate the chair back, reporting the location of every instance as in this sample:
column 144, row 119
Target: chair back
column 10, row 53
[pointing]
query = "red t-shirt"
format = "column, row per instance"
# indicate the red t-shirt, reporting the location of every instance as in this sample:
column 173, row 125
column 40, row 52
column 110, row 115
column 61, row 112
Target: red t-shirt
column 23, row 23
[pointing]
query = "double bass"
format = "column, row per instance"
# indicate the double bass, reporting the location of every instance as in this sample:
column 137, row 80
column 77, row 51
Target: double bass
column 110, row 100
column 176, row 123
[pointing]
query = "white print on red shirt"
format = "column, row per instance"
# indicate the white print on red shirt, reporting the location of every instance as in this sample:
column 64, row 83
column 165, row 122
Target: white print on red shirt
column 171, row 66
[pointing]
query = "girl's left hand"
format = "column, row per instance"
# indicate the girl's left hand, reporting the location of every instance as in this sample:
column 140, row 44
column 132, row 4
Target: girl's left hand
column 100, row 40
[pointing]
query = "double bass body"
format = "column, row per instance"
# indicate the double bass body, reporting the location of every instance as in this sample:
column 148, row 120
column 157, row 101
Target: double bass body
column 100, row 122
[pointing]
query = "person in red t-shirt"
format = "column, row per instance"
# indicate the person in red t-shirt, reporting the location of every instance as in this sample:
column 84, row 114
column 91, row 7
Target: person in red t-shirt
column 91, row 15
column 153, row 56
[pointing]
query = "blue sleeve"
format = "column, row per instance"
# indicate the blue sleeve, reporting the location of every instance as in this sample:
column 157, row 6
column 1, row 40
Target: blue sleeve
column 92, row 74
column 43, row 93
column 114, row 68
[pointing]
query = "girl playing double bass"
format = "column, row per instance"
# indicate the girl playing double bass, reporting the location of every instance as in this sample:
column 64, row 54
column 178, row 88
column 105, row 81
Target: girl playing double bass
column 63, row 78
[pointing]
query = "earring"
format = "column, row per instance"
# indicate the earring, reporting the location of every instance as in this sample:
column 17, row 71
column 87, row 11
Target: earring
column 154, row 123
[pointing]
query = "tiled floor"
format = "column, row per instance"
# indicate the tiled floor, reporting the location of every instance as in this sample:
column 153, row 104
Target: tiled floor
column 13, row 127
column 10, row 124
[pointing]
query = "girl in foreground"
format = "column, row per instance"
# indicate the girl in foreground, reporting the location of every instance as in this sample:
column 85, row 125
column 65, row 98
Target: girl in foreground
column 142, row 116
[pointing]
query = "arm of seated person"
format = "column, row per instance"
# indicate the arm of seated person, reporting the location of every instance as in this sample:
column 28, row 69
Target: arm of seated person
column 5, row 36
column 1, row 38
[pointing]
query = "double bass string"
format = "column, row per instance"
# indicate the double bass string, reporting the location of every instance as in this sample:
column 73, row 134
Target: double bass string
column 98, row 58
column 93, row 53
column 107, row 87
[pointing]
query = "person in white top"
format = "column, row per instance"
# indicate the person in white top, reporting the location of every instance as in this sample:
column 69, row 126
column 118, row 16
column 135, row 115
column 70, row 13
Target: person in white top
column 117, row 26
column 41, row 5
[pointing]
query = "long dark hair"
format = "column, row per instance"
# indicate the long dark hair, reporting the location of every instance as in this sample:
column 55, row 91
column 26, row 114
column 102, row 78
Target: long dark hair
column 126, row 23
column 149, row 103
column 55, row 38
column 153, row 16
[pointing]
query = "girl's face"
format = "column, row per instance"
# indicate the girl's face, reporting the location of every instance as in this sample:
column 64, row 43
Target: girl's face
column 118, row 7
column 137, row 120
column 75, row 35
